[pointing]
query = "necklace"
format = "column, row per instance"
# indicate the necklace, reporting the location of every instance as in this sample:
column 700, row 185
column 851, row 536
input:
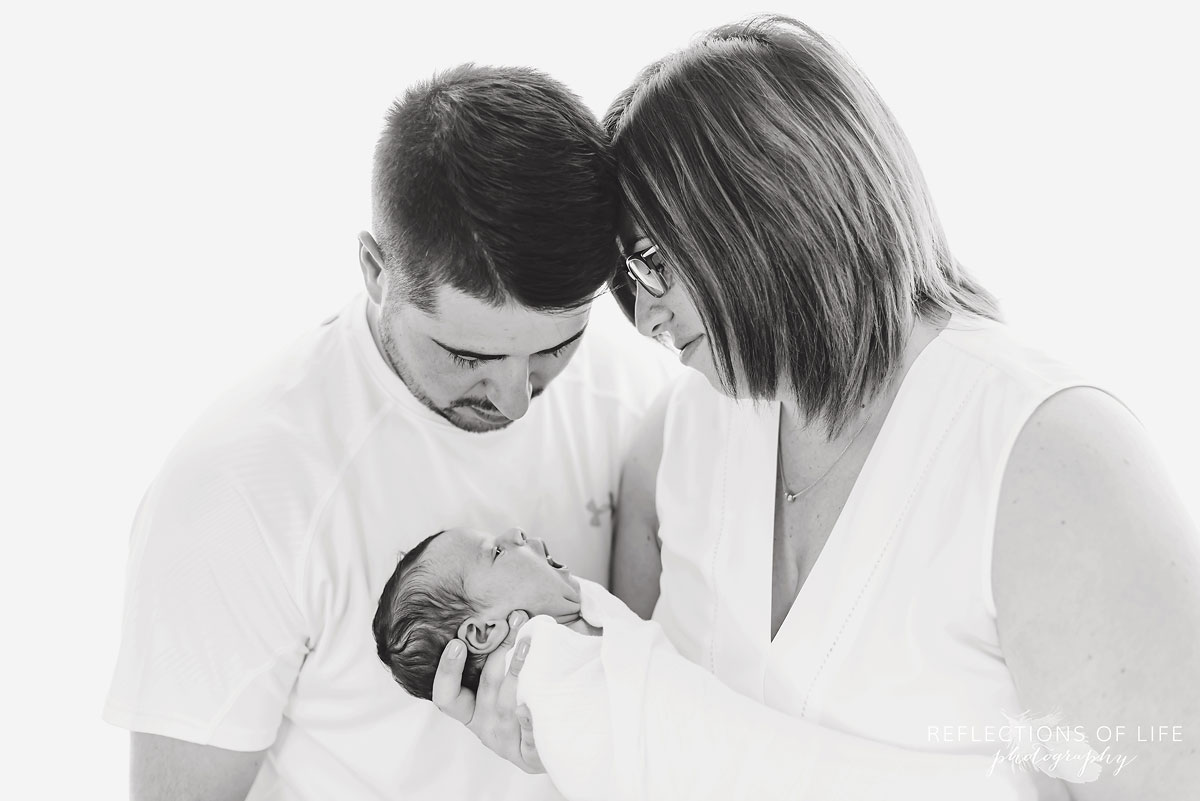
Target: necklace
column 792, row 496
column 783, row 482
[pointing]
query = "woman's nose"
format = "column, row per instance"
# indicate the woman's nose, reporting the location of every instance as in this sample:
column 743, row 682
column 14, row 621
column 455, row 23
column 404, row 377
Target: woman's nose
column 649, row 313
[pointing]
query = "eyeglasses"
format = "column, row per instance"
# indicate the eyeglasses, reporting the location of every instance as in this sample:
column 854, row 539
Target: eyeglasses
column 647, row 269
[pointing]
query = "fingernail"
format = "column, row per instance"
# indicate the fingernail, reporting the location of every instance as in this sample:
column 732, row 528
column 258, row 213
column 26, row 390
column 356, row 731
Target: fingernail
column 456, row 649
column 514, row 618
column 522, row 649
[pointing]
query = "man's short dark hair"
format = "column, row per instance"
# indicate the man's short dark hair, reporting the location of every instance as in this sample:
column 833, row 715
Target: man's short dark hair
column 497, row 182
column 417, row 616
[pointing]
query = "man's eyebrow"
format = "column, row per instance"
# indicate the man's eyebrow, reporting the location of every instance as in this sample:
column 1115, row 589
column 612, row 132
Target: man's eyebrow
column 564, row 343
column 491, row 357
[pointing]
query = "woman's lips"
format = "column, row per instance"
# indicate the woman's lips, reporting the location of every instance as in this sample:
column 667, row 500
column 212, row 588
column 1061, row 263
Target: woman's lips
column 689, row 349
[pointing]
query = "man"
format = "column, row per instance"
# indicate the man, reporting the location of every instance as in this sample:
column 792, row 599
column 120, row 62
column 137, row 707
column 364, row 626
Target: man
column 247, row 664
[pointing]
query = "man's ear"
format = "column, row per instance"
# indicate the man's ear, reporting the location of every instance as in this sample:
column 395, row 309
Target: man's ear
column 482, row 636
column 370, row 261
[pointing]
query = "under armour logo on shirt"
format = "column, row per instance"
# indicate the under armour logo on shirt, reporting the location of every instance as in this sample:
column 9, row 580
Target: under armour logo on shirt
column 597, row 511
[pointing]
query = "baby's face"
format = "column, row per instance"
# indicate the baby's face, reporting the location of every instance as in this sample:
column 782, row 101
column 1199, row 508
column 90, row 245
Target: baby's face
column 503, row 573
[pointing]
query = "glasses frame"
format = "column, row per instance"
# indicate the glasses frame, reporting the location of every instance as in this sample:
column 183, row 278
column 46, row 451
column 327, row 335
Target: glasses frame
column 647, row 275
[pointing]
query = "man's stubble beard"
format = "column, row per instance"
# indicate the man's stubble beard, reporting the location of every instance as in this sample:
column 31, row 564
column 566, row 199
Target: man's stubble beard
column 391, row 355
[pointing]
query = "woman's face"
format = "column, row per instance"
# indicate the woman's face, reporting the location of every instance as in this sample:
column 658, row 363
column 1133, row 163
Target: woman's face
column 674, row 315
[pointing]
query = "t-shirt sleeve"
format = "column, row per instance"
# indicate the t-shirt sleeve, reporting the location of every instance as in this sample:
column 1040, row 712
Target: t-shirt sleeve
column 212, row 639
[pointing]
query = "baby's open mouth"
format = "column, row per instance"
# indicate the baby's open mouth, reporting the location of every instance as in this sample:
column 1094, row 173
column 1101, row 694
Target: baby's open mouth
column 551, row 562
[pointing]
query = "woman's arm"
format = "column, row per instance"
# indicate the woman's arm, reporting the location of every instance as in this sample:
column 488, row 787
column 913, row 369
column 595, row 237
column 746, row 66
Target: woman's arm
column 636, row 557
column 1096, row 577
column 662, row 728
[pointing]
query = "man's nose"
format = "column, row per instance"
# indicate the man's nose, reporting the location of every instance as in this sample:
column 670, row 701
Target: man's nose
column 511, row 388
column 649, row 313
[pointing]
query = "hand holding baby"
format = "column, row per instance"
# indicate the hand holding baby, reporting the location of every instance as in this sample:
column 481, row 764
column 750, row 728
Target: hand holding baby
column 491, row 712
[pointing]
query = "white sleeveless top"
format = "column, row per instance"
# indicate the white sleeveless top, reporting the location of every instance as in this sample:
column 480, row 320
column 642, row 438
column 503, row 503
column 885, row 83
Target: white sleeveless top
column 893, row 634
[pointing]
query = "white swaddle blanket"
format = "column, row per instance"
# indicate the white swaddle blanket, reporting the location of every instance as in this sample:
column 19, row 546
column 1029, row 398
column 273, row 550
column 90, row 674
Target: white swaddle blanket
column 624, row 716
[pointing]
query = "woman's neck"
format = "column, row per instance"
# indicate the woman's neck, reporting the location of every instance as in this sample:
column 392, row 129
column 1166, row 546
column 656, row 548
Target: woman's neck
column 797, row 426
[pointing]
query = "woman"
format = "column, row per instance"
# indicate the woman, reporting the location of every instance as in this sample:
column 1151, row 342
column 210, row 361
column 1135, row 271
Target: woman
column 920, row 528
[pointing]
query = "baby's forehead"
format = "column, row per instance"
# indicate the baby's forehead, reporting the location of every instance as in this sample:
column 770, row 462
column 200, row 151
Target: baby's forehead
column 454, row 549
column 464, row 538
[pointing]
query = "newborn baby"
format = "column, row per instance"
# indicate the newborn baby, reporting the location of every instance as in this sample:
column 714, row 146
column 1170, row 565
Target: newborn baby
column 464, row 583
column 624, row 715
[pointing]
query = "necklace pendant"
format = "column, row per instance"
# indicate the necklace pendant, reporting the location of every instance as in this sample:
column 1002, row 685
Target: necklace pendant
column 791, row 496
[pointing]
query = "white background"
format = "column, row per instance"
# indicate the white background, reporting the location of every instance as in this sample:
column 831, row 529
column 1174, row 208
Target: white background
column 181, row 193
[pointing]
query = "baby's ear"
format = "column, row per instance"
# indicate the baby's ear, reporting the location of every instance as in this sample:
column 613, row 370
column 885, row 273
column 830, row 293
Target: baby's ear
column 482, row 636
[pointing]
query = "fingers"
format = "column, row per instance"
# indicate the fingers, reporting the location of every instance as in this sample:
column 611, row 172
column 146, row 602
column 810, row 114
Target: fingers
column 491, row 678
column 505, row 699
column 525, row 719
column 493, row 684
column 448, row 692
column 518, row 660
column 515, row 621
column 529, row 754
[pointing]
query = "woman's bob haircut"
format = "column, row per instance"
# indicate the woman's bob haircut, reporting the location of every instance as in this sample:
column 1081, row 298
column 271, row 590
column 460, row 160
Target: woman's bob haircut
column 789, row 205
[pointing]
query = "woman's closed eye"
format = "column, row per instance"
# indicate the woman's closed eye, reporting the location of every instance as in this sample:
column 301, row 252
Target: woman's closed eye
column 657, row 261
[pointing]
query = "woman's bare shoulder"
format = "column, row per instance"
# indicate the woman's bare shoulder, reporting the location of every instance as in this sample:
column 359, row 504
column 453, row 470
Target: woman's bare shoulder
column 1096, row 577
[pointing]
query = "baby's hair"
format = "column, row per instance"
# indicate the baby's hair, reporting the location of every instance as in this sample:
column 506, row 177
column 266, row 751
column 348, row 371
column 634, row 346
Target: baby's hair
column 417, row 616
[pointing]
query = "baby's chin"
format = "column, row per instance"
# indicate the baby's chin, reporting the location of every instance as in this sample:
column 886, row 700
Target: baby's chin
column 572, row 592
column 567, row 607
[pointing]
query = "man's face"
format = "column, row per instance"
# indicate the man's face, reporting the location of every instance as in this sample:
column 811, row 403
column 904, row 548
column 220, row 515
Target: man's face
column 475, row 364
column 503, row 573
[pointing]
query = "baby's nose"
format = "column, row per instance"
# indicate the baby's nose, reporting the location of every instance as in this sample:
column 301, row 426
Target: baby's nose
column 515, row 536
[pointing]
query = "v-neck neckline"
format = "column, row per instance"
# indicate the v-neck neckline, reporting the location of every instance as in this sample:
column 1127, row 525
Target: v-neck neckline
column 836, row 542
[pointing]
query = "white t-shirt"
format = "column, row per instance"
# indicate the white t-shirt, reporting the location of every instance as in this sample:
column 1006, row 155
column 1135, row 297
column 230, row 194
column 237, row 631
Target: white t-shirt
column 258, row 555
